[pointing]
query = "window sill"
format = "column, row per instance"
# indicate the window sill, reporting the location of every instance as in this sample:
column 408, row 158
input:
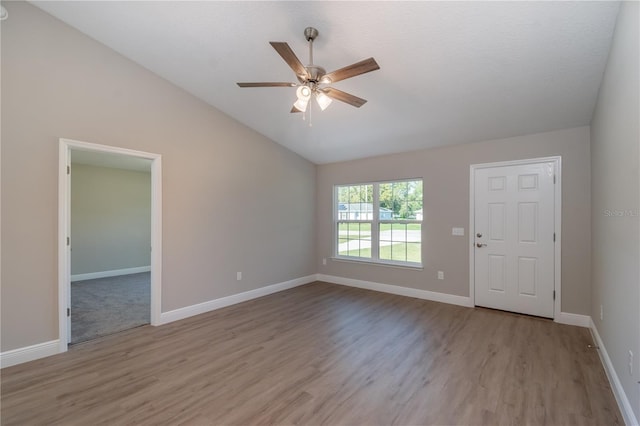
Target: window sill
column 417, row 267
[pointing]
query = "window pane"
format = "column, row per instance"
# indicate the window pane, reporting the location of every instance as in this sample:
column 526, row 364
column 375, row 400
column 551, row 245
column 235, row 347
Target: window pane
column 414, row 252
column 355, row 202
column 401, row 242
column 354, row 239
column 400, row 200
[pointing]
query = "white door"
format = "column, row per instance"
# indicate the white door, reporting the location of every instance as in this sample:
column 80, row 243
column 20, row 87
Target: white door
column 514, row 237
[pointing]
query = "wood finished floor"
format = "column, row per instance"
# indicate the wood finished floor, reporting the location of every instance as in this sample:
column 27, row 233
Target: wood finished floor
column 322, row 354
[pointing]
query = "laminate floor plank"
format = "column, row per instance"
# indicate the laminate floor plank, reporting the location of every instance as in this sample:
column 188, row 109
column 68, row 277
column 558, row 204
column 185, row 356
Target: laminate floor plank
column 322, row 354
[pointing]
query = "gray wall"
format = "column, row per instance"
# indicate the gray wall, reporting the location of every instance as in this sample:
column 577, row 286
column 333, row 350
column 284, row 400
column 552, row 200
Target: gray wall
column 615, row 208
column 232, row 199
column 110, row 219
column 446, row 204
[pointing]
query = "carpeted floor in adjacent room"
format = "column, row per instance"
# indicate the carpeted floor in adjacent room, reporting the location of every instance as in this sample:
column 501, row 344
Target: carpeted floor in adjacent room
column 105, row 306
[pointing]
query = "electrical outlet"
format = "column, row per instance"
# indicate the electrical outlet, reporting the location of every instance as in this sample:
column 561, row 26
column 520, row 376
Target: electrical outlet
column 441, row 275
column 324, row 261
column 238, row 276
column 630, row 363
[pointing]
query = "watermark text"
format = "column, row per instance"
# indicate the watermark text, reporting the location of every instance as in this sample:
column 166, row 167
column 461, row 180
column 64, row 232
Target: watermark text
column 622, row 212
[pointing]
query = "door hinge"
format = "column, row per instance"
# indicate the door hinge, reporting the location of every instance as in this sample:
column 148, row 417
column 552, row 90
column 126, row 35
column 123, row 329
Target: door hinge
column 68, row 312
column 554, row 179
column 68, row 170
column 554, row 237
column 68, row 241
column 554, row 295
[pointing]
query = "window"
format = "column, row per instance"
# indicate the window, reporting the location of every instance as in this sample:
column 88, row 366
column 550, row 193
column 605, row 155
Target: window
column 390, row 233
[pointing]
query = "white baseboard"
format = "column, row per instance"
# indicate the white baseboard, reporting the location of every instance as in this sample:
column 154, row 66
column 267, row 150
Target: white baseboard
column 401, row 291
column 211, row 305
column 562, row 318
column 112, row 273
column 618, row 390
column 573, row 319
column 29, row 353
column 53, row 347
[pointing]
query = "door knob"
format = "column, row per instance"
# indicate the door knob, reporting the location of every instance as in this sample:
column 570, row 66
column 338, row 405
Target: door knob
column 480, row 245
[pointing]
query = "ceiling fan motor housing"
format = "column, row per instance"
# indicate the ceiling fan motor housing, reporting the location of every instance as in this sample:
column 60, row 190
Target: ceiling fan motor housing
column 315, row 73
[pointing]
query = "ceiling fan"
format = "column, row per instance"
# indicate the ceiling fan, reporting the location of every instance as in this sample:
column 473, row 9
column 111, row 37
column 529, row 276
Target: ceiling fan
column 313, row 78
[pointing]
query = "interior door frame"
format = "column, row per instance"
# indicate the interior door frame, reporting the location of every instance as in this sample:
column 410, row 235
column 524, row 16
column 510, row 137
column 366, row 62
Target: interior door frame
column 64, row 228
column 557, row 265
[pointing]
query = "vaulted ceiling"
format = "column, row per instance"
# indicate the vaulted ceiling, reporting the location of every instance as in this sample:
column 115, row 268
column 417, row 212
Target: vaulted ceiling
column 450, row 72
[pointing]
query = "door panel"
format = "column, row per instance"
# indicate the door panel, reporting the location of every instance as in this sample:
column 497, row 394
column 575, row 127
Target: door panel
column 527, row 222
column 496, row 273
column 514, row 246
column 497, row 224
column 527, row 276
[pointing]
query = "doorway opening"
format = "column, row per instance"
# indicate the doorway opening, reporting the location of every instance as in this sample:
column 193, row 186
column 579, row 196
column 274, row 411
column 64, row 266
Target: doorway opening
column 109, row 240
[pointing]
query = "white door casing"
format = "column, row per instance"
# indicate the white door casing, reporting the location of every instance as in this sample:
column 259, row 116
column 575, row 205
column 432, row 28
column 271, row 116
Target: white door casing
column 514, row 236
column 64, row 225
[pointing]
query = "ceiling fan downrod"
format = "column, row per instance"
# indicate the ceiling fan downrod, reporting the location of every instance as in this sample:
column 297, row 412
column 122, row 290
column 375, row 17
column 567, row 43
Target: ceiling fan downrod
column 314, row 72
column 310, row 34
column 311, row 80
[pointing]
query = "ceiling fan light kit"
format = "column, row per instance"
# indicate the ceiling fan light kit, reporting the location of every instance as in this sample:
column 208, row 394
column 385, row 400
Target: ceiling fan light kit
column 304, row 94
column 323, row 100
column 312, row 77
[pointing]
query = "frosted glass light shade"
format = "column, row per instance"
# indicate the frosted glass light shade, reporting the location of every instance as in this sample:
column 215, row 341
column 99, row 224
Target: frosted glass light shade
column 303, row 93
column 301, row 104
column 323, row 100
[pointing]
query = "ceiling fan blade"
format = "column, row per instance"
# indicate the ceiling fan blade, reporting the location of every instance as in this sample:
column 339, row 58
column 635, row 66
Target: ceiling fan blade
column 364, row 66
column 290, row 58
column 267, row 84
column 348, row 98
column 294, row 110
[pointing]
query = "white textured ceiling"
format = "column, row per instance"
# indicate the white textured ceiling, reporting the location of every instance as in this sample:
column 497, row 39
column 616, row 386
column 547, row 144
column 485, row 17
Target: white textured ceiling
column 451, row 72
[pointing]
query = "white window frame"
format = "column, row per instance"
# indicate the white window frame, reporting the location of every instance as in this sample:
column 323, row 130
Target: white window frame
column 375, row 226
